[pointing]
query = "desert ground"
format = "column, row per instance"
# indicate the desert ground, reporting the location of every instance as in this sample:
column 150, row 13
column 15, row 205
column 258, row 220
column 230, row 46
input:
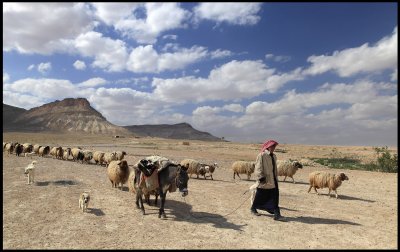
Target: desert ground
column 215, row 214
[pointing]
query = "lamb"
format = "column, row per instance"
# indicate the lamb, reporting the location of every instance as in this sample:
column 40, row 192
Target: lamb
column 118, row 173
column 243, row 167
column 288, row 168
column 209, row 169
column 320, row 179
column 120, row 155
column 98, row 157
column 194, row 167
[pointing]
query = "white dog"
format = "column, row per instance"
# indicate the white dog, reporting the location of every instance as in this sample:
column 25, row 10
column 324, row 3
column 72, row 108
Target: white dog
column 30, row 172
column 84, row 201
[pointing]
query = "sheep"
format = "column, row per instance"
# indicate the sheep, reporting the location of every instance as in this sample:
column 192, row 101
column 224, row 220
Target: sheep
column 87, row 156
column 10, row 147
column 77, row 154
column 36, row 148
column 320, row 179
column 98, row 157
column 59, row 152
column 44, row 150
column 118, row 173
column 110, row 156
column 67, row 153
column 27, row 148
column 55, row 152
column 194, row 167
column 120, row 155
column 18, row 149
column 288, row 168
column 209, row 169
column 243, row 167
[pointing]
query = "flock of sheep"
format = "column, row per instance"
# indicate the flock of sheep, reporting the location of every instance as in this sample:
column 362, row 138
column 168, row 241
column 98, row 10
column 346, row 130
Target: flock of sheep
column 119, row 172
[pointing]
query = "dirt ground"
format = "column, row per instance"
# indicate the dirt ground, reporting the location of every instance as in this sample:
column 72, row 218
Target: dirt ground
column 215, row 214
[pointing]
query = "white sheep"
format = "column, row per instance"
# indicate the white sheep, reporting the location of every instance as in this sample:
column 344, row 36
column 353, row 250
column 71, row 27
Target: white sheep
column 194, row 167
column 320, row 179
column 118, row 173
column 87, row 156
column 243, row 167
column 288, row 168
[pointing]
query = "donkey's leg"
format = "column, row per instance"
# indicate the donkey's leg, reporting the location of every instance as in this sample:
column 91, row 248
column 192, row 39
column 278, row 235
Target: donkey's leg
column 161, row 211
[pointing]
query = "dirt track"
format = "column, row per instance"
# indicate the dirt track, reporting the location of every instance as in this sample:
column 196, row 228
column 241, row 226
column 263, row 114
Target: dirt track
column 215, row 214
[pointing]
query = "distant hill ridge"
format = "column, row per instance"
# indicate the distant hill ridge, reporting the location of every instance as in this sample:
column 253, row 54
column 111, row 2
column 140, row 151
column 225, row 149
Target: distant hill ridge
column 76, row 115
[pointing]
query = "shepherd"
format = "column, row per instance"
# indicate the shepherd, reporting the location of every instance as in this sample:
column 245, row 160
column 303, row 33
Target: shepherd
column 267, row 194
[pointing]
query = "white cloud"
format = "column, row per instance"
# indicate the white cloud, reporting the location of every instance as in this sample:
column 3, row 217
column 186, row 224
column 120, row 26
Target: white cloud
column 44, row 68
column 32, row 66
column 94, row 82
column 234, row 80
column 381, row 56
column 19, row 100
column 146, row 60
column 278, row 58
column 79, row 65
column 336, row 114
column 110, row 55
column 111, row 13
column 232, row 13
column 170, row 36
column 220, row 54
column 28, row 27
column 160, row 17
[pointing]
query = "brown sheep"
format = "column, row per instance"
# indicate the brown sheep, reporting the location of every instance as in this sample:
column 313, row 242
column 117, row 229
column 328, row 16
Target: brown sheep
column 209, row 169
column 194, row 167
column 243, row 167
column 288, row 168
column 320, row 179
column 118, row 173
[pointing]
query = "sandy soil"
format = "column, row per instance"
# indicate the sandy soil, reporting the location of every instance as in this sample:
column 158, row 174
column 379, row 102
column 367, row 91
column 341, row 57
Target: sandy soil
column 215, row 214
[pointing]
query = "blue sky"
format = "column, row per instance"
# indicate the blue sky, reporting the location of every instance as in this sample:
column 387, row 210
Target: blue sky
column 300, row 73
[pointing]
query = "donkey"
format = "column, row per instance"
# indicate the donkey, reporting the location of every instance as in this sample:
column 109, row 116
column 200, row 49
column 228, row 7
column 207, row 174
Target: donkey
column 150, row 176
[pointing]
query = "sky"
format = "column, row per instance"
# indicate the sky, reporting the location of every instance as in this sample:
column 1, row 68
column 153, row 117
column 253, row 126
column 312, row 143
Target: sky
column 298, row 73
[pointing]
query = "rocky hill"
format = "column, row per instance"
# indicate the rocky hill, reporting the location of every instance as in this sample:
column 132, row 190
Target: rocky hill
column 76, row 115
column 68, row 115
column 172, row 131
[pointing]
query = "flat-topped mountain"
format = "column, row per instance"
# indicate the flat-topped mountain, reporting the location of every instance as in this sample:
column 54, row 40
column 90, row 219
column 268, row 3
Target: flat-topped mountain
column 68, row 115
column 172, row 131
